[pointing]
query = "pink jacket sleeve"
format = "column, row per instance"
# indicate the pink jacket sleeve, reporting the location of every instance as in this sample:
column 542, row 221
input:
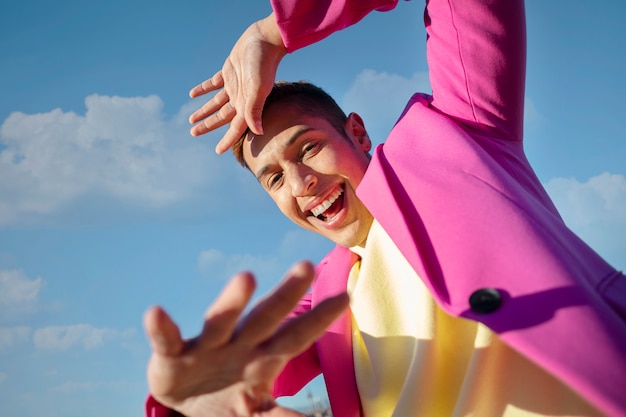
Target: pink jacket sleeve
column 156, row 409
column 305, row 22
column 476, row 52
column 477, row 62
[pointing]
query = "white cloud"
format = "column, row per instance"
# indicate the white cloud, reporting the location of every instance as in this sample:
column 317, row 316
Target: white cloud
column 217, row 265
column 13, row 336
column 268, row 268
column 380, row 97
column 595, row 210
column 74, row 387
column 121, row 150
column 18, row 293
column 532, row 117
column 298, row 244
column 601, row 199
column 66, row 337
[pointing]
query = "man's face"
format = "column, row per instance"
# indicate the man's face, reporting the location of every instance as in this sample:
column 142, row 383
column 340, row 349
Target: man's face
column 312, row 171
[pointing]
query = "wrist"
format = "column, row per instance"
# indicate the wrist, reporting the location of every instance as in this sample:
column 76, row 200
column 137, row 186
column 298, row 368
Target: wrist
column 268, row 28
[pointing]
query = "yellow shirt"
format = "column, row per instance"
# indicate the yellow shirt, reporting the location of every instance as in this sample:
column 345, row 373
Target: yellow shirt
column 413, row 359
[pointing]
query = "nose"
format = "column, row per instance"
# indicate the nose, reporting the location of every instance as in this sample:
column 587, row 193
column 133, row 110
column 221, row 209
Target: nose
column 302, row 180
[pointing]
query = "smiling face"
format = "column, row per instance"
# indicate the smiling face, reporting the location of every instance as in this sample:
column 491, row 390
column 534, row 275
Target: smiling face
column 311, row 171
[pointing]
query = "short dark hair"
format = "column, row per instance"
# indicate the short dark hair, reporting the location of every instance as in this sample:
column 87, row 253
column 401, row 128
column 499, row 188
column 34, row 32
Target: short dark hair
column 306, row 98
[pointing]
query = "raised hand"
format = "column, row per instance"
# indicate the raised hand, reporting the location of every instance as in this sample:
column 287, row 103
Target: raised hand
column 244, row 83
column 229, row 369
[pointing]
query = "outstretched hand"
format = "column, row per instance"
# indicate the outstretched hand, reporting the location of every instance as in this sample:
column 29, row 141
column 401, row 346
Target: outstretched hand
column 230, row 367
column 244, row 83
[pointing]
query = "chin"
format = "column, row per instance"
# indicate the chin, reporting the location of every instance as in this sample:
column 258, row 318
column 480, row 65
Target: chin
column 350, row 241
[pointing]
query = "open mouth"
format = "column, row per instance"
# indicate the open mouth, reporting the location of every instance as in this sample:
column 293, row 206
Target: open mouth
column 329, row 208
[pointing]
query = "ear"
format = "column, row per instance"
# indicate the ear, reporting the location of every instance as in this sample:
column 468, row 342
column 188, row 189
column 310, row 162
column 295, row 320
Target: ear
column 355, row 128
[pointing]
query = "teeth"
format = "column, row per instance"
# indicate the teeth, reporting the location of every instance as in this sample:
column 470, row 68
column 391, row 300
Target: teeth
column 326, row 203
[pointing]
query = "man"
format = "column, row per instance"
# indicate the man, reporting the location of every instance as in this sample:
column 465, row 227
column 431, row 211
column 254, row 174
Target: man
column 468, row 293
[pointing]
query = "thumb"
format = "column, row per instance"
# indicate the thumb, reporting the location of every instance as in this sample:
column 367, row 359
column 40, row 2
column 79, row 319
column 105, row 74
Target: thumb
column 253, row 112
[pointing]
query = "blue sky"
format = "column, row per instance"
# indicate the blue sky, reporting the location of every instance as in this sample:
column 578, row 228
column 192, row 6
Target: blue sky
column 108, row 206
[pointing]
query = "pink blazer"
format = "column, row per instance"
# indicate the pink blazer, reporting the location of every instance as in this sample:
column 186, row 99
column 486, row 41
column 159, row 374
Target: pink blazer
column 453, row 189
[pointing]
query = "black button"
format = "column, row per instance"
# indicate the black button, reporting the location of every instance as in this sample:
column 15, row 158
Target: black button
column 485, row 300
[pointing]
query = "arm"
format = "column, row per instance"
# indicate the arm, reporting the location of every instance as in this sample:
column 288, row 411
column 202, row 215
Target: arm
column 477, row 61
column 249, row 72
column 244, row 82
column 230, row 368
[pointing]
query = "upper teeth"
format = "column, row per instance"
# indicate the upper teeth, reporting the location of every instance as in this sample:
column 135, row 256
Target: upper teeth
column 326, row 203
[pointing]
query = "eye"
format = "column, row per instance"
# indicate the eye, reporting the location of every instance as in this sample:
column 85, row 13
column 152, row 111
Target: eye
column 274, row 180
column 310, row 148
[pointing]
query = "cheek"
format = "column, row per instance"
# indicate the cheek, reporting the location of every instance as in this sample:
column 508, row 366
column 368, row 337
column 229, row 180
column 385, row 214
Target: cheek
column 350, row 163
column 328, row 161
column 355, row 170
column 287, row 206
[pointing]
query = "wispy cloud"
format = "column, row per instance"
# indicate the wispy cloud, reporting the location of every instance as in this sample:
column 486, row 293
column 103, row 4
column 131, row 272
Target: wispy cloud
column 380, row 97
column 19, row 294
column 267, row 266
column 11, row 337
column 216, row 264
column 74, row 387
column 58, row 338
column 594, row 209
column 532, row 117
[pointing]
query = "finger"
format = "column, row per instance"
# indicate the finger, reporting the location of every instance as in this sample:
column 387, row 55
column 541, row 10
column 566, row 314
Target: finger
column 222, row 316
column 236, row 129
column 298, row 334
column 253, row 110
column 217, row 102
column 218, row 119
column 163, row 333
column 214, row 83
column 263, row 320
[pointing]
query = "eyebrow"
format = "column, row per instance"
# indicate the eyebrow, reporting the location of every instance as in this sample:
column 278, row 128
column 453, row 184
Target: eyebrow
column 259, row 174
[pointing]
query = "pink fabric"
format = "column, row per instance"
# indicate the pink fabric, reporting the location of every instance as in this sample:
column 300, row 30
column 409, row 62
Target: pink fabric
column 156, row 409
column 302, row 23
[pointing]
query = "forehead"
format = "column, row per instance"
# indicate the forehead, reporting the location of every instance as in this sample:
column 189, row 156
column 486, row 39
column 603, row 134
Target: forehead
column 283, row 125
